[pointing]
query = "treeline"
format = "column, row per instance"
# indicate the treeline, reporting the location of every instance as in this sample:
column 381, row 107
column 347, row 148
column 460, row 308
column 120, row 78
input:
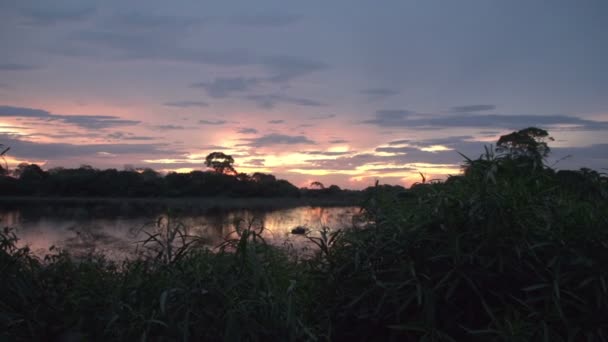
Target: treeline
column 86, row 181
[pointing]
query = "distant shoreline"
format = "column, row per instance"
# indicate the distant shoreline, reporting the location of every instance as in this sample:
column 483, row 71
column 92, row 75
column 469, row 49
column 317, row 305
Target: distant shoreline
column 208, row 202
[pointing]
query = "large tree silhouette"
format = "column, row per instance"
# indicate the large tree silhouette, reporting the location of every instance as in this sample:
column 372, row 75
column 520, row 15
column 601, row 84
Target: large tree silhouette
column 529, row 143
column 221, row 163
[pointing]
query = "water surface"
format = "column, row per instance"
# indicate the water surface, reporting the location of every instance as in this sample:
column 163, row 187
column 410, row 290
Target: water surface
column 82, row 229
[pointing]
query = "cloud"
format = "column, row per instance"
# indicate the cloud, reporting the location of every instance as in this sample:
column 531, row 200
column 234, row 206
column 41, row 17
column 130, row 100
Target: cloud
column 396, row 118
column 266, row 20
column 271, row 100
column 16, row 67
column 322, row 117
column 376, row 93
column 447, row 141
column 286, row 68
column 274, row 122
column 169, row 127
column 58, row 151
column 128, row 136
column 161, row 44
column 472, row 108
column 338, row 141
column 139, row 21
column 186, row 104
column 327, row 153
column 390, row 117
column 256, row 162
column 247, row 131
column 54, row 12
column 216, row 122
column 85, row 121
column 160, row 38
column 224, row 87
column 399, row 150
column 277, row 139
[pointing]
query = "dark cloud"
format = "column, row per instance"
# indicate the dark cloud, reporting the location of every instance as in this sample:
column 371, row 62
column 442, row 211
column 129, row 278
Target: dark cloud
column 281, row 68
column 390, row 117
column 400, row 142
column 186, row 104
column 16, row 67
column 401, row 149
column 128, row 136
column 338, row 141
column 256, row 162
column 215, row 123
column 408, row 119
column 153, row 45
column 271, row 100
column 224, row 87
column 379, row 92
column 85, row 121
column 247, row 131
column 266, row 20
column 53, row 12
column 159, row 38
column 472, row 108
column 97, row 121
column 169, row 127
column 56, row 151
column 327, row 153
column 447, row 141
column 322, row 117
column 24, row 112
column 277, row 139
column 147, row 22
column 276, row 121
column 286, row 68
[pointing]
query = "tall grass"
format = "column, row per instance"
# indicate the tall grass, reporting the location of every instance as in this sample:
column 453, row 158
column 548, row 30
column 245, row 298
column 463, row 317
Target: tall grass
column 508, row 251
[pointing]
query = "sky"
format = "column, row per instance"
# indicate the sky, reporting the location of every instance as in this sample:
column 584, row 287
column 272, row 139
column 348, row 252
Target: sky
column 341, row 92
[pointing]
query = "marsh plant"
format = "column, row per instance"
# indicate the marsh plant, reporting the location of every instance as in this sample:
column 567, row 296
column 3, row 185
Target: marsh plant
column 511, row 250
column 168, row 239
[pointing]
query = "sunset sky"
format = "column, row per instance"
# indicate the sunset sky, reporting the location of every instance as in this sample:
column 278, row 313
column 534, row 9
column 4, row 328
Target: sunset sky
column 342, row 92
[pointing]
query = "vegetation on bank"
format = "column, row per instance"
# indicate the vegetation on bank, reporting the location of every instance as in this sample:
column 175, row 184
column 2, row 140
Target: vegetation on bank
column 220, row 180
column 511, row 250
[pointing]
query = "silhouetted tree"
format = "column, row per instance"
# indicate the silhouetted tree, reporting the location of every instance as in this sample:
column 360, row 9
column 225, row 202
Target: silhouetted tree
column 3, row 168
column 528, row 143
column 317, row 184
column 221, row 163
column 260, row 177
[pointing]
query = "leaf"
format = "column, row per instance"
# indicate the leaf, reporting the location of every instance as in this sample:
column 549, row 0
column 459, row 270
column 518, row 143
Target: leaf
column 535, row 287
column 406, row 327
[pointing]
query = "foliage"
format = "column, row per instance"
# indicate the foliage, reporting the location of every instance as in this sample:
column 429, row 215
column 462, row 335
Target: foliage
column 528, row 143
column 86, row 181
column 317, row 184
column 221, row 163
column 496, row 254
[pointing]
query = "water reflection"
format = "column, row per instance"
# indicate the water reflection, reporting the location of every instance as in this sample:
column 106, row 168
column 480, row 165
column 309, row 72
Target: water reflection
column 117, row 235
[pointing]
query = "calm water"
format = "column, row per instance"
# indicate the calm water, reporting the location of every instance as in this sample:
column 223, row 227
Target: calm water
column 82, row 230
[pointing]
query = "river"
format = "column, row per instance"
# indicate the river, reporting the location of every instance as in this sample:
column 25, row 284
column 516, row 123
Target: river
column 115, row 231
